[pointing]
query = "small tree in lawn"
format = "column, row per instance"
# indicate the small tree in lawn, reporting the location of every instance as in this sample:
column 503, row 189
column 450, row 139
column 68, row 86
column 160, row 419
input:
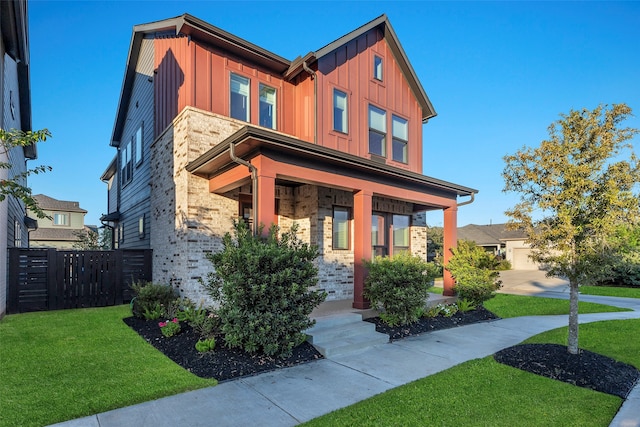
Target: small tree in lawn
column 16, row 185
column 580, row 183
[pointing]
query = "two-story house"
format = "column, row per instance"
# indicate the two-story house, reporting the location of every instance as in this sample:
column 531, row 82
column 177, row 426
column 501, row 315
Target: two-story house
column 15, row 113
column 211, row 128
column 61, row 228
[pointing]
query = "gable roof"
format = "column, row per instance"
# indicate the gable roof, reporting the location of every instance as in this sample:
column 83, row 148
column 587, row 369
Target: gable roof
column 383, row 24
column 51, row 204
column 492, row 234
column 193, row 27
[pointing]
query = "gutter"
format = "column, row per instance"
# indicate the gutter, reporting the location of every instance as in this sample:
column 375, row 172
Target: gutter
column 468, row 202
column 254, row 184
column 314, row 77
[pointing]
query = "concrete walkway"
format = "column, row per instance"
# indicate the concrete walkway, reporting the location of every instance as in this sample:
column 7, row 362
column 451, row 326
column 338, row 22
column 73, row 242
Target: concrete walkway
column 290, row 396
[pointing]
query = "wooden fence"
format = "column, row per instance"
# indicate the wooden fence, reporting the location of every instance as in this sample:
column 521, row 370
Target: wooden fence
column 50, row 279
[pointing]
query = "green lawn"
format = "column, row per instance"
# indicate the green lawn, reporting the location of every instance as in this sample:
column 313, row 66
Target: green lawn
column 483, row 392
column 66, row 364
column 610, row 291
column 505, row 305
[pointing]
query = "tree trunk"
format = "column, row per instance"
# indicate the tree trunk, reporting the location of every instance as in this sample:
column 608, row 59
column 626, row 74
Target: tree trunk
column 572, row 344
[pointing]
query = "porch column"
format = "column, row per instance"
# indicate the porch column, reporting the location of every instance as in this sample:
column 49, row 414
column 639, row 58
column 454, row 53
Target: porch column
column 450, row 237
column 362, row 208
column 266, row 193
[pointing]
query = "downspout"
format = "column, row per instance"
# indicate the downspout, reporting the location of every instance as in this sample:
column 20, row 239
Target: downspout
column 314, row 77
column 254, row 184
column 468, row 202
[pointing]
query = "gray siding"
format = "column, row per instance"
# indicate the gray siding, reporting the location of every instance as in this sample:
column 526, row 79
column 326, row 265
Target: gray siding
column 16, row 209
column 135, row 195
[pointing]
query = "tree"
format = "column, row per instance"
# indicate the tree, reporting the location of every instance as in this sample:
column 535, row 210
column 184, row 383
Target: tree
column 16, row 185
column 90, row 240
column 580, row 183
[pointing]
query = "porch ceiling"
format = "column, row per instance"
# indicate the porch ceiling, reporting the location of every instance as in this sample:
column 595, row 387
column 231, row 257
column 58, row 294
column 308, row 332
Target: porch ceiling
column 301, row 162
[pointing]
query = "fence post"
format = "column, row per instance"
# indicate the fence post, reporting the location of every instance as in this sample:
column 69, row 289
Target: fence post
column 118, row 282
column 55, row 290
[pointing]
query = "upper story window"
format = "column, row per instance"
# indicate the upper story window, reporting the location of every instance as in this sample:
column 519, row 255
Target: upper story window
column 138, row 145
column 377, row 67
column 267, row 106
column 60, row 219
column 126, row 170
column 400, row 133
column 340, row 117
column 377, row 131
column 239, row 97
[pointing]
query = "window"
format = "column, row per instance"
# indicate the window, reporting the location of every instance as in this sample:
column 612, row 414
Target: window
column 17, row 234
column 138, row 146
column 377, row 68
column 239, row 99
column 377, row 131
column 59, row 219
column 400, row 133
column 141, row 227
column 125, row 164
column 340, row 118
column 401, row 225
column 121, row 233
column 379, row 235
column 341, row 232
column 267, row 107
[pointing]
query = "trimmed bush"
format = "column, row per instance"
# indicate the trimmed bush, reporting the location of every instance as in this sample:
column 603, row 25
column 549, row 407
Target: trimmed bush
column 151, row 300
column 399, row 286
column 263, row 288
column 471, row 269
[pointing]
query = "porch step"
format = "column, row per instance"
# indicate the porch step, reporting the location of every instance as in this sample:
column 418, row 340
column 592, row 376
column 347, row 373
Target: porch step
column 343, row 333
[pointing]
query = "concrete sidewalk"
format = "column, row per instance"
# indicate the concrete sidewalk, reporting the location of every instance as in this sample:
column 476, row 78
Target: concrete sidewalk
column 290, row 396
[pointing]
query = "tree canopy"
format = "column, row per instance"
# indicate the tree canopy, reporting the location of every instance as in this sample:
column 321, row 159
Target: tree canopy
column 575, row 189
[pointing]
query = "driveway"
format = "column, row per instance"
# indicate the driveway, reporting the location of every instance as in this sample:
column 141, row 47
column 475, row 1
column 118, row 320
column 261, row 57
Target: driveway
column 531, row 282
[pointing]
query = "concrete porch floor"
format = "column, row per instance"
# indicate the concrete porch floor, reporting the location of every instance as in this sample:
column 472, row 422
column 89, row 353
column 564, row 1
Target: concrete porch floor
column 334, row 308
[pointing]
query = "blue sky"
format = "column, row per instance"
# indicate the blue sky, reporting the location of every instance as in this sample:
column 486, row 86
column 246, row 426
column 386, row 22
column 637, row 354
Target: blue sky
column 497, row 73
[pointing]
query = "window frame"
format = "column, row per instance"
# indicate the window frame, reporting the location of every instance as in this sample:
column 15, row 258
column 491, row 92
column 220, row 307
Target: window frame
column 373, row 130
column 137, row 151
column 334, row 230
column 248, row 97
column 64, row 219
column 397, row 248
column 126, row 164
column 17, row 233
column 345, row 111
column 378, row 68
column 398, row 140
column 274, row 117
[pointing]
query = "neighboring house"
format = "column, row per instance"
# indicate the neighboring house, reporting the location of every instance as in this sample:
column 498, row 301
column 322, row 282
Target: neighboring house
column 61, row 229
column 498, row 239
column 15, row 113
column 212, row 128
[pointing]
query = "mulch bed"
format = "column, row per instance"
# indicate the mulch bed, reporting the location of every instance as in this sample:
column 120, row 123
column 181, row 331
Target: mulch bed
column 585, row 369
column 223, row 363
column 429, row 324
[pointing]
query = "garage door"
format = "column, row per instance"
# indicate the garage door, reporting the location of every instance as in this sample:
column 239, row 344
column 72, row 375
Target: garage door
column 521, row 260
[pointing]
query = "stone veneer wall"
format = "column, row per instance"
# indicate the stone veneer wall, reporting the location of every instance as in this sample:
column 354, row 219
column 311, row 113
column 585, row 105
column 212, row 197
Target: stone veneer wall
column 187, row 221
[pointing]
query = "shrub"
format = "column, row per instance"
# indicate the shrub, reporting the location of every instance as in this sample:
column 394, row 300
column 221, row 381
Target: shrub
column 399, row 286
column 151, row 299
column 475, row 276
column 464, row 305
column 205, row 345
column 170, row 327
column 263, row 289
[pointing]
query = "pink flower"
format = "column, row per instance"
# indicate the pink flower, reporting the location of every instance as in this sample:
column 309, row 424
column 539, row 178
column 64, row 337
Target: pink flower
column 175, row 320
column 162, row 324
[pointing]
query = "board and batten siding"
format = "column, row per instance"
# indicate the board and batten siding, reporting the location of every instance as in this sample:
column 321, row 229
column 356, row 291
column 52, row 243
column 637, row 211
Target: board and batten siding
column 135, row 195
column 349, row 68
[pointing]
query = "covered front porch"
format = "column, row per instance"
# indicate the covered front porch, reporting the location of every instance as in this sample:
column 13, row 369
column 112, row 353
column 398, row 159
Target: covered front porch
column 261, row 159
